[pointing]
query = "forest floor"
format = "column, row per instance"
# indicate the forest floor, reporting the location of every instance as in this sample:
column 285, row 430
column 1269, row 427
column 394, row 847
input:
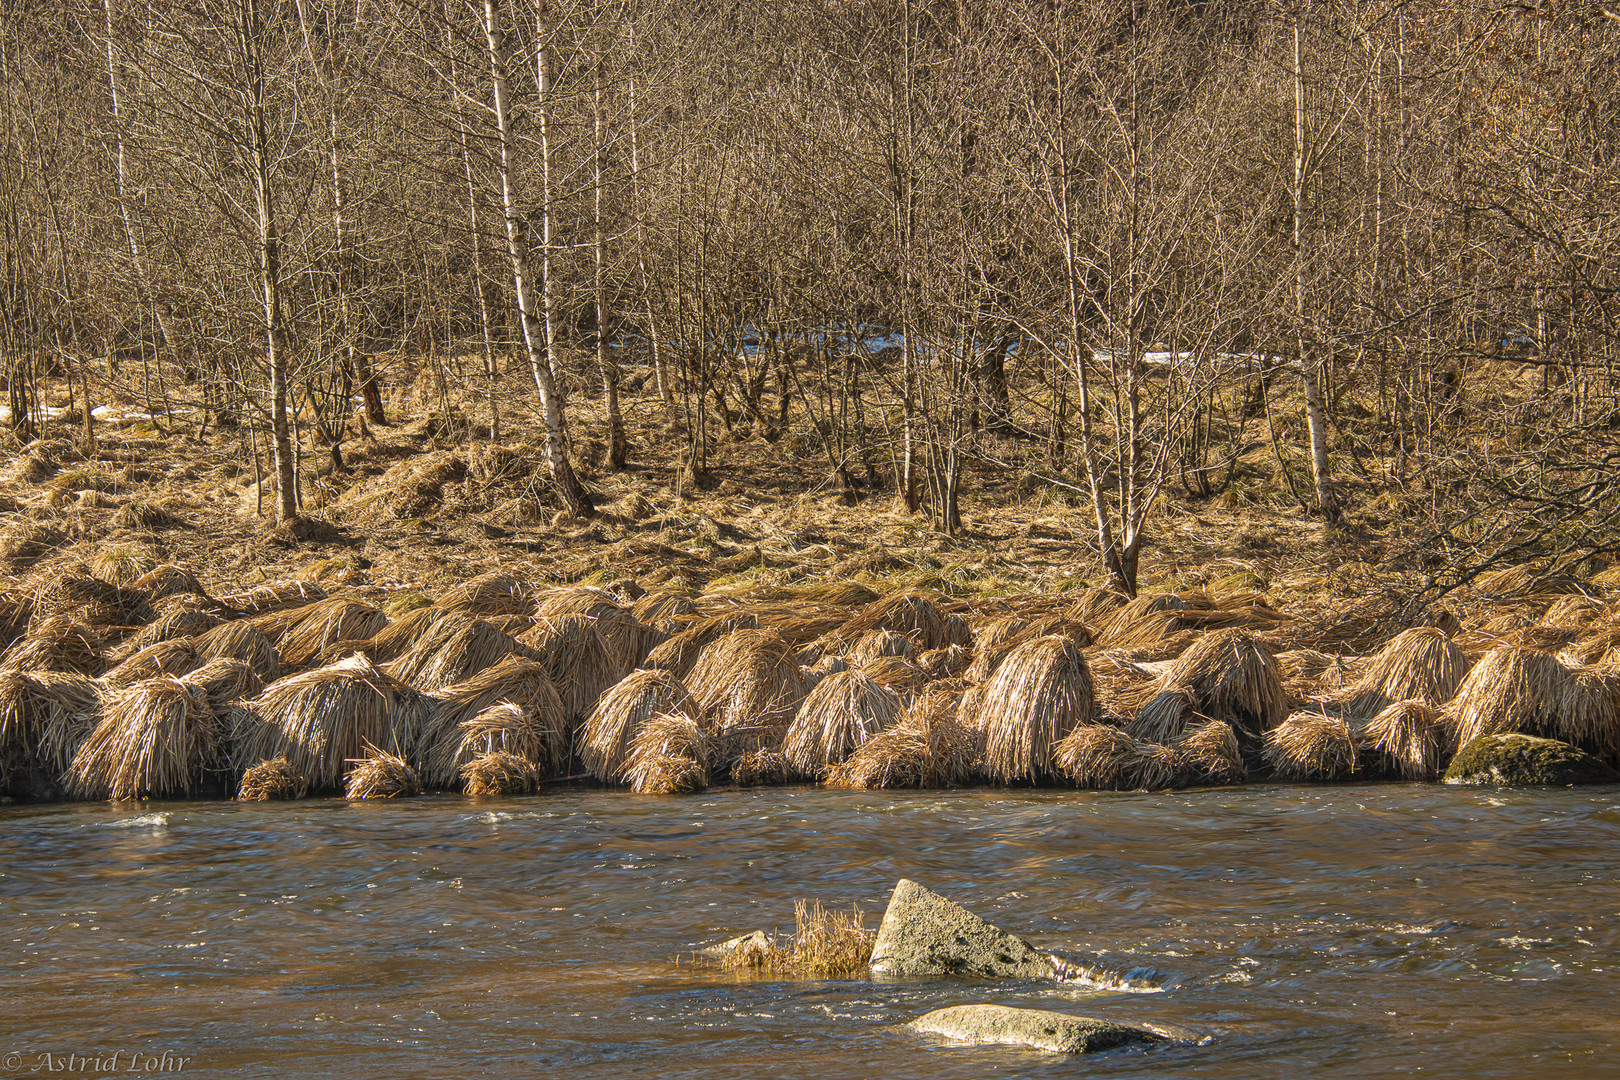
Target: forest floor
column 427, row 501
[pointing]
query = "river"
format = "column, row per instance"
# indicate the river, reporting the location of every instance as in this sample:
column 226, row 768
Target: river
column 1352, row 931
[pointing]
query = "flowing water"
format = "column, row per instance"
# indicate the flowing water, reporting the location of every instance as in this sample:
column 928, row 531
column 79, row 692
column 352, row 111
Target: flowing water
column 1360, row 931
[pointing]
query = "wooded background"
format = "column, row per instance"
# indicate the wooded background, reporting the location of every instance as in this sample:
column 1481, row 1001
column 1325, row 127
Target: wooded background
column 1128, row 238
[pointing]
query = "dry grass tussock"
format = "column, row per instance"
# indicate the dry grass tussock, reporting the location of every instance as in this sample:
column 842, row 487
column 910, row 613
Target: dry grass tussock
column 826, row 944
column 1312, row 746
column 913, row 615
column 241, row 640
column 1421, row 664
column 511, row 706
column 1526, row 690
column 748, row 678
column 627, row 638
column 380, row 776
column 451, row 652
column 156, row 738
column 48, row 713
column 678, row 653
column 669, row 756
column 610, row 730
column 578, row 662
column 489, row 594
column 1210, row 755
column 836, row 718
column 271, row 780
column 273, row 596
column 1405, row 740
column 322, row 719
column 1040, row 693
column 500, row 773
column 164, row 658
column 57, row 643
column 326, row 623
column 1230, row 676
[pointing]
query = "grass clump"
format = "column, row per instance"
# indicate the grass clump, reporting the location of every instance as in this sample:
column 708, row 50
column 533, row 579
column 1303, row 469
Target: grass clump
column 826, row 944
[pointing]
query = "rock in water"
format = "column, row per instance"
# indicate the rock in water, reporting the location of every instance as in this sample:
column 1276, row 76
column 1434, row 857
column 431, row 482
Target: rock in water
column 925, row 934
column 1035, row 1028
column 1526, row 761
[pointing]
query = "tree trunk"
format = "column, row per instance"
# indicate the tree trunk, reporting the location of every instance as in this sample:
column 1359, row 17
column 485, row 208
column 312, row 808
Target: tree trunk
column 573, row 493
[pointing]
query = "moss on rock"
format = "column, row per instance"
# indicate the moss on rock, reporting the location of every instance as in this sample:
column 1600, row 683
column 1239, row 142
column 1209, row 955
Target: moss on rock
column 1526, row 761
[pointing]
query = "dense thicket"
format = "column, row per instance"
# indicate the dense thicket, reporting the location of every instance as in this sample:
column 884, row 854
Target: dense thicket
column 1105, row 233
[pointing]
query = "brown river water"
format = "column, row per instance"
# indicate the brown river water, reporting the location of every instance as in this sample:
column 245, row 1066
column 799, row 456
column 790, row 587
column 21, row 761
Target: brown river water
column 1354, row 931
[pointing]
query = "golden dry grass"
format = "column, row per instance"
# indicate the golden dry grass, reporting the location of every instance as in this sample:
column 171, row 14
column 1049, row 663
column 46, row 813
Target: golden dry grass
column 836, row 718
column 499, row 773
column 164, row 658
column 1097, row 756
column 748, row 678
column 271, row 780
column 1040, row 693
column 1209, row 755
column 1230, row 676
column 620, row 713
column 1421, row 664
column 488, row 594
column 578, row 661
column 380, row 775
column 325, row 623
column 627, row 638
column 457, row 726
column 155, row 738
column 669, row 756
column 240, row 640
column 1311, row 746
column 826, row 944
column 1404, row 739
column 462, row 650
column 322, row 719
column 1518, row 689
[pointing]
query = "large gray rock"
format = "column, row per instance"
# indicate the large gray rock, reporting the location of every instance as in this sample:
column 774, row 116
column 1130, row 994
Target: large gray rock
column 1526, row 761
column 925, row 934
column 1038, row 1029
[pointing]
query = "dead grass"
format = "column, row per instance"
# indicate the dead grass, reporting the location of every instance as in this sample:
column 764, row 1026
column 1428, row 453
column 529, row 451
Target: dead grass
column 1404, row 739
column 271, row 780
column 826, row 945
column 619, row 714
column 380, row 776
column 155, row 739
column 1312, row 746
column 1418, row 665
column 500, row 773
column 837, row 718
column 669, row 756
column 1040, row 693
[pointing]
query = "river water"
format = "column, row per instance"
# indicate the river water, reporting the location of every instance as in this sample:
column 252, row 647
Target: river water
column 1355, row 931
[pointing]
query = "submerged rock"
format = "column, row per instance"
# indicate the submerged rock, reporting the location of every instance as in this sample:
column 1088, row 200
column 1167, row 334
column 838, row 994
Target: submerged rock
column 925, row 934
column 1526, row 761
column 758, row 941
column 1038, row 1029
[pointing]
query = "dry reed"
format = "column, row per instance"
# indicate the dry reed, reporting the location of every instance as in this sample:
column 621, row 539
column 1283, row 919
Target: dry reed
column 321, row 719
column 747, row 678
column 457, row 721
column 669, row 756
column 1403, row 739
column 240, row 640
column 627, row 638
column 164, row 658
column 1525, row 690
column 1097, row 756
column 1311, row 746
column 380, row 775
column 611, row 728
column 1420, row 664
column 57, row 643
column 441, row 659
column 1040, row 693
column 578, row 661
column 500, row 773
column 1209, row 754
column 836, row 718
column 325, row 623
column 1230, row 676
column 155, row 738
column 271, row 780
column 489, row 594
